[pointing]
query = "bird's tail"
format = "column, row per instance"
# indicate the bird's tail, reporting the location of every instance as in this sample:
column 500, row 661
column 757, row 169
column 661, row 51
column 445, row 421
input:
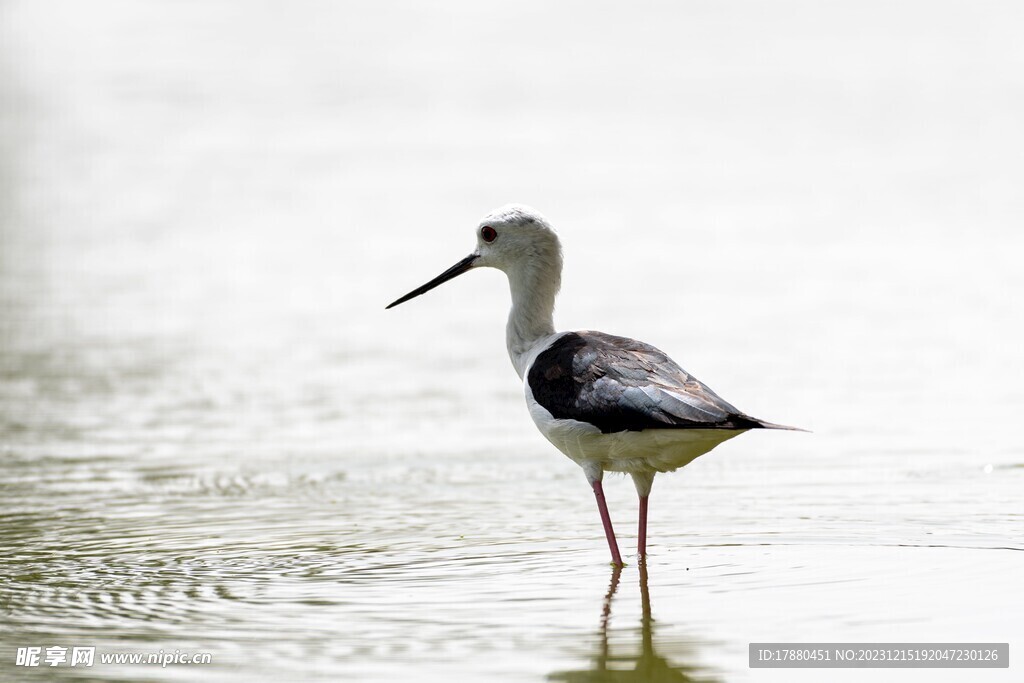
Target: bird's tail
column 771, row 425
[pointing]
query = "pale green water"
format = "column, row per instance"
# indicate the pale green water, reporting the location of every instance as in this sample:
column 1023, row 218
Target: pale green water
column 214, row 438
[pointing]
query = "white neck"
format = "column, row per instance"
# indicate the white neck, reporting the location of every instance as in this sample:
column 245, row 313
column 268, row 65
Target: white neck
column 533, row 303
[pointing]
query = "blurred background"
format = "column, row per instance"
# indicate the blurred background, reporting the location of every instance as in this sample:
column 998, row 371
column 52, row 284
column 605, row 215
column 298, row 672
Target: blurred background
column 215, row 439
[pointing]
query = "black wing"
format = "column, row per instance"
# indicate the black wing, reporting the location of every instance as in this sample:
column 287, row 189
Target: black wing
column 619, row 384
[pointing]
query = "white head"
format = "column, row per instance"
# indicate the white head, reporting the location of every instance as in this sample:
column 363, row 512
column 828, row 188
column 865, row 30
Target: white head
column 515, row 237
column 517, row 240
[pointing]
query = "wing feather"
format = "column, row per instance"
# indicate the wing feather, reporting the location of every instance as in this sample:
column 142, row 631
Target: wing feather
column 620, row 384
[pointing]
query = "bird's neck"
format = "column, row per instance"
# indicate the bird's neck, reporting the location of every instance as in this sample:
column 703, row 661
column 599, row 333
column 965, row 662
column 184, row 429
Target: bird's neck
column 533, row 305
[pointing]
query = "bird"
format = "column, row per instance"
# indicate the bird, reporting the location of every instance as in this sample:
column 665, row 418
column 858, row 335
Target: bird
column 609, row 403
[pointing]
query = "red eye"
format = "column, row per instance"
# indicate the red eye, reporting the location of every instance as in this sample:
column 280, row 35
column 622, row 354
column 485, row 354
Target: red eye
column 488, row 233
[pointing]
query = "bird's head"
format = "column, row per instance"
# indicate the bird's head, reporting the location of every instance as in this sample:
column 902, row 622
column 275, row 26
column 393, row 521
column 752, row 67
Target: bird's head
column 515, row 236
column 515, row 239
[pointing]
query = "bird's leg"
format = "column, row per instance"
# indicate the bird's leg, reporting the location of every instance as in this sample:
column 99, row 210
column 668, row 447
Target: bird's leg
column 606, row 520
column 641, row 542
column 643, row 482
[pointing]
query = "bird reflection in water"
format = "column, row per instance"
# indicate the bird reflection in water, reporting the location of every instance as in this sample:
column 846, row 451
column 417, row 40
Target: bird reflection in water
column 647, row 665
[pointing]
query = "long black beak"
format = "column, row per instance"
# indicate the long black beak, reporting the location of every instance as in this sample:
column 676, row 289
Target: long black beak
column 456, row 270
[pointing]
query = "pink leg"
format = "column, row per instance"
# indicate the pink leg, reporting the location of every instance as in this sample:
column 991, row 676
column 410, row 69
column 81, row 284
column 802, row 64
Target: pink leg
column 606, row 520
column 641, row 542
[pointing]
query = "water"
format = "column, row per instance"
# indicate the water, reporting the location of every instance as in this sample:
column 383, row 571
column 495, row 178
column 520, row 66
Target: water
column 215, row 440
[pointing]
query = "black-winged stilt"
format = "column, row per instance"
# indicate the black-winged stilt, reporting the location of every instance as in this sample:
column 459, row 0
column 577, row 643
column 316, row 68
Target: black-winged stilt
column 611, row 404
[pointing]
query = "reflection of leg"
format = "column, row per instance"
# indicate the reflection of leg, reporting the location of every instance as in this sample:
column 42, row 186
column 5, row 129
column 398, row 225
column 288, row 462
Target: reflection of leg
column 646, row 628
column 606, row 613
column 645, row 601
column 606, row 520
column 641, row 543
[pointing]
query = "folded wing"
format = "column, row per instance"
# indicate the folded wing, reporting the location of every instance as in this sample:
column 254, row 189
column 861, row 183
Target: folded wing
column 619, row 384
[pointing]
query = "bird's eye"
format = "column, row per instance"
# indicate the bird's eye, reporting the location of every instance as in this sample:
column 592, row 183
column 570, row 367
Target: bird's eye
column 488, row 233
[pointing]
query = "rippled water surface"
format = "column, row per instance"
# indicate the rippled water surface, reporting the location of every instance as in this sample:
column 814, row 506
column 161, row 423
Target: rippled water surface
column 214, row 439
